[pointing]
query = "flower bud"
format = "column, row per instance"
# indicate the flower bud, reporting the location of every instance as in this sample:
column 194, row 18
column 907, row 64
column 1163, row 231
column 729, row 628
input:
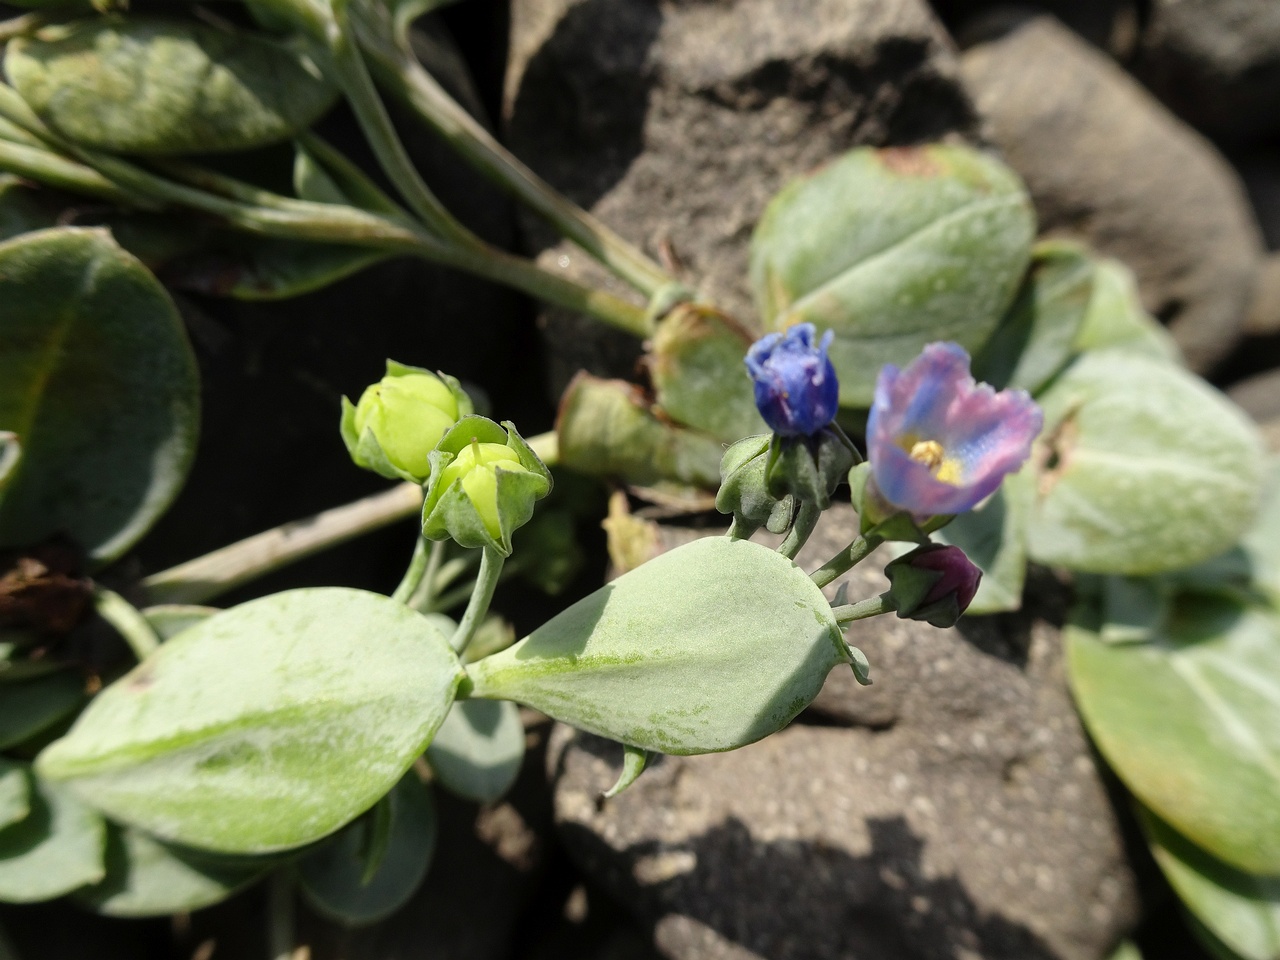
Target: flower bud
column 484, row 480
column 400, row 419
column 796, row 389
column 744, row 489
column 934, row 583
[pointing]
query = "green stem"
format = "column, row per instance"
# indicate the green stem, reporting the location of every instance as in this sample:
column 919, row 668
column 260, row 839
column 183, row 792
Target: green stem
column 204, row 578
column 871, row 607
column 128, row 622
column 280, row 925
column 44, row 166
column 806, row 520
column 425, row 594
column 418, row 567
column 854, row 553
column 351, row 179
column 401, row 73
column 486, row 582
column 371, row 113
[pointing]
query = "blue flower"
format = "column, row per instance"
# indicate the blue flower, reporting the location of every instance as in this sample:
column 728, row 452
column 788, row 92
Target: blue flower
column 938, row 442
column 796, row 388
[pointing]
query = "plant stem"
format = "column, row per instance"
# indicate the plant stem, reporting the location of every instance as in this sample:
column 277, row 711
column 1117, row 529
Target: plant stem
column 854, row 553
column 44, row 166
column 806, row 520
column 353, row 77
column 425, row 594
column 204, row 578
column 128, row 622
column 418, row 567
column 486, row 582
column 871, row 607
column 401, row 73
column 280, row 927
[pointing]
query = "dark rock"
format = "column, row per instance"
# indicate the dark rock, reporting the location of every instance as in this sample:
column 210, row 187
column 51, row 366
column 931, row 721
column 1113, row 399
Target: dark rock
column 1111, row 25
column 1105, row 161
column 1216, row 63
column 675, row 123
column 951, row 810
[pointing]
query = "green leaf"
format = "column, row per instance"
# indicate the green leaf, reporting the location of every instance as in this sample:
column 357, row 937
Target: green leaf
column 696, row 364
column 1126, row 951
column 1190, row 721
column 711, row 646
column 15, row 791
column 1116, row 318
column 994, row 537
column 57, row 848
column 893, row 249
column 98, row 381
column 333, row 876
column 147, row 878
column 606, row 429
column 170, row 619
column 311, row 181
column 266, row 726
column 30, row 707
column 1036, row 337
column 158, row 86
column 1146, row 468
column 10, row 455
column 23, row 208
column 634, row 761
column 478, row 749
column 1239, row 909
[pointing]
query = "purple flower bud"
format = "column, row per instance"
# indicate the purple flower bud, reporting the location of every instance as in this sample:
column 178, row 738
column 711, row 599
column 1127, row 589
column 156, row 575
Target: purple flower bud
column 796, row 388
column 934, row 583
column 938, row 442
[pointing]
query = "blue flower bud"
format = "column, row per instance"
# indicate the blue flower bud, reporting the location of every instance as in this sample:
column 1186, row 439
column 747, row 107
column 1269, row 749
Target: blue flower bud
column 796, row 388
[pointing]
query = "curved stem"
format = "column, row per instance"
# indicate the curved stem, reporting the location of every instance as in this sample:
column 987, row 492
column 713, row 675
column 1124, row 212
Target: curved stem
column 855, row 553
column 486, row 582
column 806, row 520
column 871, row 607
column 128, row 622
column 417, row 571
column 401, row 73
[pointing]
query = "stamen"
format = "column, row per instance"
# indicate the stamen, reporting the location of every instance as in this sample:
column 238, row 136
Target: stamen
column 928, row 452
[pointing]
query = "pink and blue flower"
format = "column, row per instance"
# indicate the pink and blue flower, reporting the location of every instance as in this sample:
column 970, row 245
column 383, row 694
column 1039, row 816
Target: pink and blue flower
column 796, row 388
column 940, row 443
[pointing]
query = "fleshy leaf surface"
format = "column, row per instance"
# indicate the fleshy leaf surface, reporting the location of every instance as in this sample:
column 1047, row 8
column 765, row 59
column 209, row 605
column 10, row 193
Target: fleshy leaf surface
column 478, row 749
column 266, row 726
column 15, row 791
column 29, row 707
column 1144, row 468
column 893, row 249
column 1190, row 721
column 709, row 647
column 161, row 86
column 99, row 383
column 55, row 849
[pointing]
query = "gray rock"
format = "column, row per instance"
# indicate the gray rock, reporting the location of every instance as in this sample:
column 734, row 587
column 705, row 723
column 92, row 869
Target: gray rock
column 951, row 810
column 675, row 123
column 1264, row 312
column 1105, row 161
column 1216, row 63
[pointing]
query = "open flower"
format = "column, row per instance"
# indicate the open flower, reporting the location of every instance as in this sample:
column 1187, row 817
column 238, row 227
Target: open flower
column 796, row 388
column 938, row 442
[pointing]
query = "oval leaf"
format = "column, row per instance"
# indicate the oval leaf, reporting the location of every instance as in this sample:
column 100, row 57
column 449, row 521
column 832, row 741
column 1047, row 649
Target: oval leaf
column 57, row 848
column 994, row 537
column 1262, row 542
column 1146, row 468
column 155, row 86
column 340, row 881
column 29, row 707
column 1240, row 910
column 98, row 381
column 147, row 878
column 266, row 726
column 709, row 647
column 478, row 749
column 893, row 249
column 1190, row 721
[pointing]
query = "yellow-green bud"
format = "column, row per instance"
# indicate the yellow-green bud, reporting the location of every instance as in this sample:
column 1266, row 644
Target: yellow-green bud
column 400, row 419
column 483, row 485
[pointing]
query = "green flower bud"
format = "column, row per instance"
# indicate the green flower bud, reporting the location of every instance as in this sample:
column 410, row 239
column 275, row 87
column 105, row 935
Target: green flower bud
column 400, row 419
column 484, row 481
column 744, row 489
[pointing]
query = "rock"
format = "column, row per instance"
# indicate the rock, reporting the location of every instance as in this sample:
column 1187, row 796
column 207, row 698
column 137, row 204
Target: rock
column 1216, row 63
column 1112, row 25
column 675, row 123
column 951, row 810
column 1264, row 312
column 1106, row 162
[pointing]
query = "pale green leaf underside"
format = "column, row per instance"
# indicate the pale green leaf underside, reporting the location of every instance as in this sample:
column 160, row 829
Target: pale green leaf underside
column 478, row 749
column 57, row 848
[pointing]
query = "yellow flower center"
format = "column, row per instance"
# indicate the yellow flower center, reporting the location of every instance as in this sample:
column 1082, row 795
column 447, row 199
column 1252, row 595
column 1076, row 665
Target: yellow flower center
column 932, row 455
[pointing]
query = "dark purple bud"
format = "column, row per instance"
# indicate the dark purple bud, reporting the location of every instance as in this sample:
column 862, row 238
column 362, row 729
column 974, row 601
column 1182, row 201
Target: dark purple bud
column 796, row 388
column 934, row 583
